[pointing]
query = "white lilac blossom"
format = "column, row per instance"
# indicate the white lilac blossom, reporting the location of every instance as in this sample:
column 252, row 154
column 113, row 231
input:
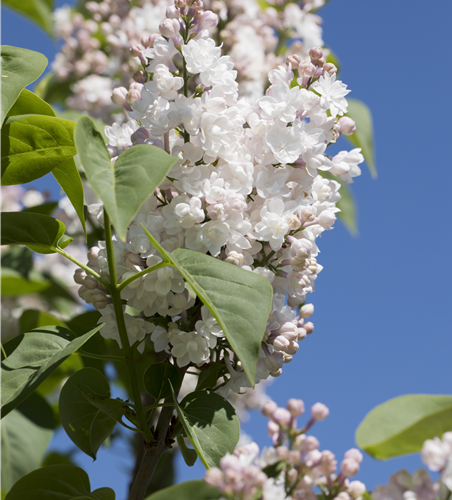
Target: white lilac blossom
column 97, row 37
column 299, row 464
column 247, row 188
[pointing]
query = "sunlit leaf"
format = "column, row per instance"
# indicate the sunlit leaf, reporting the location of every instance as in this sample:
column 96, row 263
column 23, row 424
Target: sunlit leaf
column 189, row 490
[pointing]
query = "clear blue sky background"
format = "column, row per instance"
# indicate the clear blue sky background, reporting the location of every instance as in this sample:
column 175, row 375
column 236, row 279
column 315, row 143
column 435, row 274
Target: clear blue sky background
column 383, row 301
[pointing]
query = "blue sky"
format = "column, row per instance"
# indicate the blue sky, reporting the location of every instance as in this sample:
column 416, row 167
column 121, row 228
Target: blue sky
column 382, row 319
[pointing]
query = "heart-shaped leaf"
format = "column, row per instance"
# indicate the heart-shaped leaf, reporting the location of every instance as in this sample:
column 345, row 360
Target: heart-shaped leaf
column 14, row 284
column 20, row 67
column 125, row 184
column 364, row 136
column 238, row 299
column 58, row 482
column 33, row 145
column 114, row 408
column 190, row 490
column 401, row 425
column 38, row 11
column 157, row 380
column 39, row 232
column 86, row 425
column 37, row 355
column 30, row 104
column 23, row 446
column 210, row 423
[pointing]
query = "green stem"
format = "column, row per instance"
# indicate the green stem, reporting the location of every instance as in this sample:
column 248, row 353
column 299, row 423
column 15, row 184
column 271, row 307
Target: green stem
column 85, row 268
column 150, row 407
column 126, row 282
column 101, row 356
column 267, row 258
column 3, row 351
column 128, row 353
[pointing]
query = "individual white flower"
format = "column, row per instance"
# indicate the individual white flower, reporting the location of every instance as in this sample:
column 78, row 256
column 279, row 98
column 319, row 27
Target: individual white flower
column 162, row 53
column 160, row 338
column 285, row 143
column 281, row 102
column 273, row 226
column 119, row 135
column 164, row 82
column 332, row 94
column 189, row 347
column 164, row 280
column 209, row 328
column 200, row 55
column 345, row 164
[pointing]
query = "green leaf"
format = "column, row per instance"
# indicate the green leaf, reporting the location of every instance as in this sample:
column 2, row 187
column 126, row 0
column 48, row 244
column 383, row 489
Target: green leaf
column 401, row 425
column 33, row 145
column 55, row 458
column 124, row 185
column 348, row 210
column 14, row 284
column 104, row 494
column 44, row 209
column 230, row 293
column 114, row 408
column 20, row 67
column 19, row 259
column 69, row 179
column 274, row 470
column 190, row 490
column 30, row 104
column 38, row 354
column 58, row 482
column 157, row 380
column 37, row 409
column 39, row 232
column 188, row 454
column 208, row 379
column 38, row 11
column 74, row 115
column 33, row 318
column 211, row 425
column 23, row 446
column 364, row 136
column 87, row 426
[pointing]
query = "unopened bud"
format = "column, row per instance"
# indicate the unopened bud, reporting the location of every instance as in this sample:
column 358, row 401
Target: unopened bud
column 309, row 327
column 330, row 68
column 214, row 477
column 295, row 407
column 136, row 50
column 99, row 300
column 346, row 126
column 349, row 467
column 301, row 333
column 208, row 19
column 294, row 60
column 269, row 408
column 180, row 4
column 294, row 457
column 80, row 276
column 172, row 12
column 91, row 283
column 276, row 373
column 140, row 77
column 119, row 96
column 169, row 28
column 272, row 428
column 307, row 69
column 133, row 95
column 139, row 136
column 356, row 489
column 280, row 343
column 282, row 452
column 316, row 53
column 307, row 310
column 354, row 454
column 319, row 411
column 281, row 416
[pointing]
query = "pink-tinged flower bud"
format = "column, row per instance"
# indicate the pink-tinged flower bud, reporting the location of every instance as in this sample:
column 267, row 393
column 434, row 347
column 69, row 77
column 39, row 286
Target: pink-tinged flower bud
column 281, row 416
column 280, row 343
column 295, row 407
column 85, row 294
column 292, row 476
column 307, row 69
column 346, row 126
column 354, row 454
column 294, row 457
column 356, row 489
column 328, row 463
column 214, row 477
column 133, row 95
column 119, row 96
column 276, row 373
column 326, row 219
column 140, row 77
column 80, row 276
column 349, row 467
column 196, row 4
column 307, row 215
column 272, row 428
column 289, row 330
column 136, row 50
column 312, row 458
column 169, row 28
column 91, row 283
column 316, row 53
column 180, row 4
column 343, row 495
column 172, row 12
column 319, row 411
column 311, row 443
column 302, row 333
column 330, row 68
column 208, row 19
column 309, row 327
column 282, row 452
column 292, row 348
column 92, row 255
column 287, row 357
column 269, row 408
column 294, row 60
column 100, row 300
column 307, row 310
column 147, row 41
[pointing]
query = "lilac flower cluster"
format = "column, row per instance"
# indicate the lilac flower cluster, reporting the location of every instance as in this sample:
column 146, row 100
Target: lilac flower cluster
column 248, row 189
column 97, row 36
column 292, row 468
